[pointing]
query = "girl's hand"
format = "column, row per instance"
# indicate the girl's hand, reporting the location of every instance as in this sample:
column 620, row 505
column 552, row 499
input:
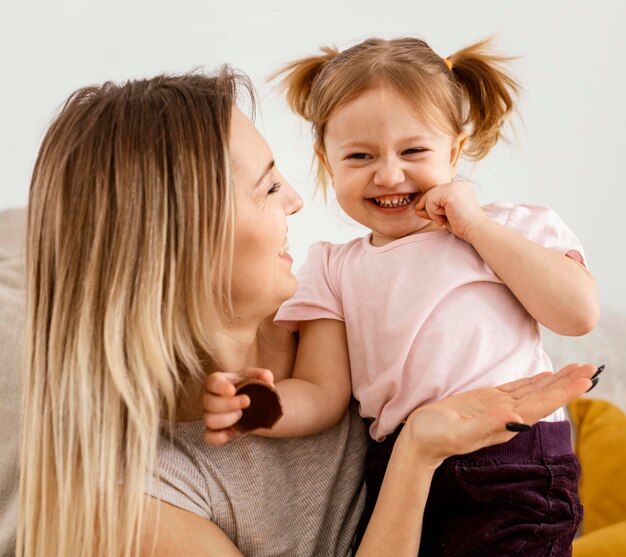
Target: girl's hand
column 453, row 205
column 469, row 421
column 222, row 407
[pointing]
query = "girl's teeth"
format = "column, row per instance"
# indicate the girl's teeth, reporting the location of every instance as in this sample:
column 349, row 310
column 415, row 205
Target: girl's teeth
column 393, row 200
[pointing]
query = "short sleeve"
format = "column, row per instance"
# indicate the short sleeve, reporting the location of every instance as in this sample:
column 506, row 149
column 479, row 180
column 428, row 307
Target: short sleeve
column 317, row 294
column 541, row 225
column 179, row 480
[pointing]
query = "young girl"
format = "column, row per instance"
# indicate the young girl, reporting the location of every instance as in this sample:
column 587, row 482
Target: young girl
column 442, row 296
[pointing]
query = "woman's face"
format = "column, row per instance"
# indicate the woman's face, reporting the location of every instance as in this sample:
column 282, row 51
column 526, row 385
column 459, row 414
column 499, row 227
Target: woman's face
column 262, row 277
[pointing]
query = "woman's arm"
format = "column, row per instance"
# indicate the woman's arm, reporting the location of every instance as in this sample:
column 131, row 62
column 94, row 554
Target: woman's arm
column 170, row 530
column 395, row 527
column 456, row 425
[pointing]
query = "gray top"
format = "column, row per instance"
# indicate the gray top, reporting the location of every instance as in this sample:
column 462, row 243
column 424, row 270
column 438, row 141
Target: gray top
column 272, row 497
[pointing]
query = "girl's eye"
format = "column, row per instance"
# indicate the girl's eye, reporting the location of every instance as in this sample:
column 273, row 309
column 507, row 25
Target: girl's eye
column 274, row 189
column 414, row 151
column 359, row 156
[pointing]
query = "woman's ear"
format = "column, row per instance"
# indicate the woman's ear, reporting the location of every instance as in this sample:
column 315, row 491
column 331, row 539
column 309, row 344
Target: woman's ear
column 457, row 149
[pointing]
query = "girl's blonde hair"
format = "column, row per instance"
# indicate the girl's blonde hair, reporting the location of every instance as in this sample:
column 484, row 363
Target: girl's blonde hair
column 130, row 238
column 475, row 94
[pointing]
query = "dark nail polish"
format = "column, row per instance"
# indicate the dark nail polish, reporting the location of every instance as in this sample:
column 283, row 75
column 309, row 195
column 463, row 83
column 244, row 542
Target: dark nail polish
column 598, row 372
column 594, row 382
column 515, row 426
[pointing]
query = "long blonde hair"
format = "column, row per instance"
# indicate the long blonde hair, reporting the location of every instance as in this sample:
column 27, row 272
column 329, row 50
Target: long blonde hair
column 471, row 91
column 129, row 252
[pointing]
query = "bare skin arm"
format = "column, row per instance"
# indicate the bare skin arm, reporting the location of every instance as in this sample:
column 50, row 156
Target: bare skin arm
column 556, row 290
column 455, row 425
column 171, row 532
column 314, row 399
column 317, row 396
column 395, row 527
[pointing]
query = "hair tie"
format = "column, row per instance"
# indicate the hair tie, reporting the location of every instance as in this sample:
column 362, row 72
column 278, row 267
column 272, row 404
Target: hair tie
column 448, row 63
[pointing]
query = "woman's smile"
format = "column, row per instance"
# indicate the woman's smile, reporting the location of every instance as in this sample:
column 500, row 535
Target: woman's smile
column 284, row 251
column 264, row 199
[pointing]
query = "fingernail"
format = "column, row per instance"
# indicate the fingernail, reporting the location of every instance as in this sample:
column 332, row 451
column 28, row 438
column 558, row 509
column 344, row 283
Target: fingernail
column 515, row 426
column 594, row 382
column 598, row 372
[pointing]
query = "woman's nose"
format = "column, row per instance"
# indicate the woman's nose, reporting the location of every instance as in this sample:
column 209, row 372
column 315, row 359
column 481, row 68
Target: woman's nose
column 292, row 200
column 389, row 174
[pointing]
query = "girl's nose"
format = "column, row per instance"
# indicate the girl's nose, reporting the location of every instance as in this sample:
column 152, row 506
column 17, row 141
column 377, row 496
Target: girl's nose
column 389, row 174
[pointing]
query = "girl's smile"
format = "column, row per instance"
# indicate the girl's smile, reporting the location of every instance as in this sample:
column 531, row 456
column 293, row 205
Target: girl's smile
column 395, row 202
column 382, row 157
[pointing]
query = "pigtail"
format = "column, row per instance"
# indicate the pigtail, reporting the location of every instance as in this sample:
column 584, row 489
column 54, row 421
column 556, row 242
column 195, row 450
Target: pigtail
column 490, row 92
column 298, row 76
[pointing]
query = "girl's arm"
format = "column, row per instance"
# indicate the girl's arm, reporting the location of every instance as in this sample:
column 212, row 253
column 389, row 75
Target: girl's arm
column 314, row 399
column 557, row 291
column 317, row 396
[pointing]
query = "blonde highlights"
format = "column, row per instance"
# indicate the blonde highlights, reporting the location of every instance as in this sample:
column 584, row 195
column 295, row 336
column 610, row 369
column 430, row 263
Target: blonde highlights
column 468, row 91
column 130, row 243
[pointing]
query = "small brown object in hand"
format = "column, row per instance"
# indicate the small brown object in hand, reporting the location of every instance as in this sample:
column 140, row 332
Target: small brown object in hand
column 264, row 410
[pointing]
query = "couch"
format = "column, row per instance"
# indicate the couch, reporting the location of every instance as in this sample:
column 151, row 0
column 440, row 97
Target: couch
column 11, row 323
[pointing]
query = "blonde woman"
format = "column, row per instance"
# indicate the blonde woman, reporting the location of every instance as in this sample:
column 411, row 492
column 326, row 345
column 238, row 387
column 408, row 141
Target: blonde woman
column 156, row 255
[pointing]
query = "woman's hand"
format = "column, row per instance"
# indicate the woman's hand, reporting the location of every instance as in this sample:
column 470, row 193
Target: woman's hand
column 458, row 424
column 469, row 421
column 222, row 406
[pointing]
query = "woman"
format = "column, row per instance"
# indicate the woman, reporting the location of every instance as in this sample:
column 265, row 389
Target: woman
column 156, row 252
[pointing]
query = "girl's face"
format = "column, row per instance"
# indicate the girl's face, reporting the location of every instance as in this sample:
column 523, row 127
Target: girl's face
column 262, row 277
column 382, row 157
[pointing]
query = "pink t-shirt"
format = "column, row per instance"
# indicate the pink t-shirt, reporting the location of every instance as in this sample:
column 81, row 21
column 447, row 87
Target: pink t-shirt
column 425, row 316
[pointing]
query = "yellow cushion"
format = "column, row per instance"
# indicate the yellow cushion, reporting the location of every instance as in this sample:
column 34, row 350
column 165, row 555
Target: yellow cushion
column 605, row 542
column 601, row 448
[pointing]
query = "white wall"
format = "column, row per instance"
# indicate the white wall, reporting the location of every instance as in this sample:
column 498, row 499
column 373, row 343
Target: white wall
column 567, row 153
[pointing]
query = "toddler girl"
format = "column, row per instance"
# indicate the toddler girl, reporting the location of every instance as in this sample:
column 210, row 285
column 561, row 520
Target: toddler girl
column 442, row 296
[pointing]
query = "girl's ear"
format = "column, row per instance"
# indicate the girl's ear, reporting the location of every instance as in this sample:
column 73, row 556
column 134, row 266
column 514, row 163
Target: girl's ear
column 457, row 149
column 321, row 157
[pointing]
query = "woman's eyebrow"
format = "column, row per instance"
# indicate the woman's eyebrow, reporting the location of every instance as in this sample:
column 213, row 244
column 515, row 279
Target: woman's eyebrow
column 269, row 167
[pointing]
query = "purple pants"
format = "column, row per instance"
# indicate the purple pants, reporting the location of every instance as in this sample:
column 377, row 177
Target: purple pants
column 518, row 498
